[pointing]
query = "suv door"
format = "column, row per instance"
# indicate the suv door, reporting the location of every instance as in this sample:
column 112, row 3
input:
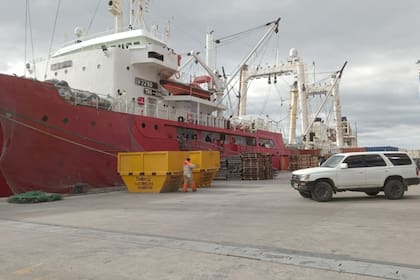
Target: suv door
column 354, row 175
column 376, row 170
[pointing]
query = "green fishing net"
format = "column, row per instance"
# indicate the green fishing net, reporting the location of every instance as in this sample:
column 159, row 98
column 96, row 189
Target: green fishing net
column 34, row 197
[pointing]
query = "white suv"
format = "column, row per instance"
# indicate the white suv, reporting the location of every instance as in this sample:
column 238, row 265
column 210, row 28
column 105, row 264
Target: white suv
column 369, row 172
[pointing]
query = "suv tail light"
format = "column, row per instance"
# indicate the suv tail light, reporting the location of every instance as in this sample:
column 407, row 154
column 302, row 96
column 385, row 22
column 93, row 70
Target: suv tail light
column 417, row 171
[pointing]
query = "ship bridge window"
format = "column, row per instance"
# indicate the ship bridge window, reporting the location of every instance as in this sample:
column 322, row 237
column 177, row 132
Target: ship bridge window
column 155, row 55
column 266, row 143
column 136, row 43
column 250, row 141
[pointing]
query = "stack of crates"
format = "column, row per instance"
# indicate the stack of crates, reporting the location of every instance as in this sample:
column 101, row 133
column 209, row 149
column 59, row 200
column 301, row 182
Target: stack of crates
column 293, row 162
column 230, row 168
column 268, row 166
column 253, row 166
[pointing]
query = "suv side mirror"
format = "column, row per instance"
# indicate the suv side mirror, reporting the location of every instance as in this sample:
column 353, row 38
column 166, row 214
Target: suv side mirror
column 344, row 166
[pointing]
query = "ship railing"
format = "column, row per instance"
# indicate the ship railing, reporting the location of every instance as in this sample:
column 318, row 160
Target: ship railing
column 154, row 32
column 192, row 145
column 82, row 98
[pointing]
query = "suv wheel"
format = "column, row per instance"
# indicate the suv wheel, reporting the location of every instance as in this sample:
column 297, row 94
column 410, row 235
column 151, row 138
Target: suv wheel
column 372, row 193
column 394, row 189
column 305, row 194
column 322, row 192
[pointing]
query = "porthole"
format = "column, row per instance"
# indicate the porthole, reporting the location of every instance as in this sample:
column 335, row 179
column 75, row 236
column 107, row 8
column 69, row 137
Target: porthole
column 92, row 123
column 98, row 66
column 128, row 68
column 143, row 125
column 65, row 71
column 83, row 68
column 156, row 126
column 65, row 120
column 44, row 118
column 55, row 74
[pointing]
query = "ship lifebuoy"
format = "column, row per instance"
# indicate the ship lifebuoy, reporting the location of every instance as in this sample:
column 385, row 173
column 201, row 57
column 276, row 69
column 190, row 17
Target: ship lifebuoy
column 189, row 117
column 181, row 119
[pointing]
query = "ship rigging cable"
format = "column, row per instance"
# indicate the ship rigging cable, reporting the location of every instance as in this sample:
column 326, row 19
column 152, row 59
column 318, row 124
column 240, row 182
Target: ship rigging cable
column 52, row 36
column 28, row 22
column 93, row 17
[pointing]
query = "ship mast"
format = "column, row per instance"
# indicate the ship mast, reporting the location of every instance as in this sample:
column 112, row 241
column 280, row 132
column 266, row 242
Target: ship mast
column 418, row 66
column 115, row 7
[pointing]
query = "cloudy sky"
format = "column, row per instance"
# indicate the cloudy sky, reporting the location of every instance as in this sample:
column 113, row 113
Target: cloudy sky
column 380, row 39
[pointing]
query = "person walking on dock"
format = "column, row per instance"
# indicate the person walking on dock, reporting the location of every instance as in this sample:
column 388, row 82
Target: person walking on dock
column 188, row 175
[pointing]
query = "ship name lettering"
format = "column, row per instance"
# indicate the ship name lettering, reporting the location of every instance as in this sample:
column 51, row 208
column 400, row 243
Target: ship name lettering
column 61, row 65
column 145, row 83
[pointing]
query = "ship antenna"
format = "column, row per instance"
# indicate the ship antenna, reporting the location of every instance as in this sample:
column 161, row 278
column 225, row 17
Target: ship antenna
column 140, row 12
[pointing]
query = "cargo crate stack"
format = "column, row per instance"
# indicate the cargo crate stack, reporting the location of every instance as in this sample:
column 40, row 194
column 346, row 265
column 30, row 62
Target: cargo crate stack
column 230, row 168
column 256, row 166
column 303, row 161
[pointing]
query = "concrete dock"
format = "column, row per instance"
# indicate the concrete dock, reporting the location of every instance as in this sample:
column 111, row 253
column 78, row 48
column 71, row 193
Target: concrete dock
column 232, row 230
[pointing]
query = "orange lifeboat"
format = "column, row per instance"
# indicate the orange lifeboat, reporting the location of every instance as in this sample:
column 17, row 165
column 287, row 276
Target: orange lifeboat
column 193, row 89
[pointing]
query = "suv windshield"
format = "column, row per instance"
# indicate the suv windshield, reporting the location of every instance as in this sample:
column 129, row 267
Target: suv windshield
column 333, row 161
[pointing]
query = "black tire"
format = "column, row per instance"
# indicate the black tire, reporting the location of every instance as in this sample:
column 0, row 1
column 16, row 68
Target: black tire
column 372, row 193
column 305, row 194
column 394, row 189
column 322, row 192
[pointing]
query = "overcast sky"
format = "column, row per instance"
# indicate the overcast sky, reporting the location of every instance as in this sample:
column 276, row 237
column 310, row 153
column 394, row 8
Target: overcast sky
column 380, row 39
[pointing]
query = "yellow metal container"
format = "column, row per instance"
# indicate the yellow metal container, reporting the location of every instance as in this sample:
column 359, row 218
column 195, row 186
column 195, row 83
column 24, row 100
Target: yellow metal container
column 205, row 159
column 153, row 182
column 163, row 171
column 207, row 165
column 151, row 171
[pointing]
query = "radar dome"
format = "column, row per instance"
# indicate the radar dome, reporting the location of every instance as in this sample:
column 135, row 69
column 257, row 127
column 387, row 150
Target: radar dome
column 293, row 52
column 78, row 31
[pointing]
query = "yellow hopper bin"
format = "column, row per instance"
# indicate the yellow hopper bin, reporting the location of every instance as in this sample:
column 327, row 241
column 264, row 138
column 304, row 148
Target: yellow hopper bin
column 208, row 163
column 151, row 171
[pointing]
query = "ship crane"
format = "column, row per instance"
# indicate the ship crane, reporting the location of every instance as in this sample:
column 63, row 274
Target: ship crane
column 219, row 82
column 299, row 92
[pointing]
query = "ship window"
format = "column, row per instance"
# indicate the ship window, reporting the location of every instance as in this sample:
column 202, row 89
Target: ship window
column 155, row 55
column 92, row 123
column 84, row 68
column 136, row 43
column 128, row 68
column 250, row 141
column 65, row 120
column 266, row 143
column 98, row 66
column 143, row 125
column 156, row 126
column 55, row 74
column 65, row 71
column 44, row 118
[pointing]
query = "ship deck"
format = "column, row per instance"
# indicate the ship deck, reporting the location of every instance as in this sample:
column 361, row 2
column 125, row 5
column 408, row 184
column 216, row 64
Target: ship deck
column 232, row 230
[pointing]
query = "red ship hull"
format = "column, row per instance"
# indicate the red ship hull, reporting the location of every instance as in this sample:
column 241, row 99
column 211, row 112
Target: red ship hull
column 51, row 145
